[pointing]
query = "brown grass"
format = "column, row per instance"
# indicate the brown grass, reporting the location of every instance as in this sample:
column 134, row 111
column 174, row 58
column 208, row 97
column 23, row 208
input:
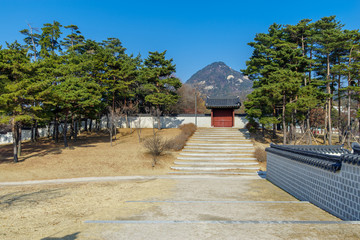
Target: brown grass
column 177, row 143
column 91, row 155
column 58, row 211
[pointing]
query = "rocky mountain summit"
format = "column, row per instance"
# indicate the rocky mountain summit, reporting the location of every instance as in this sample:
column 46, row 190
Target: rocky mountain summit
column 218, row 79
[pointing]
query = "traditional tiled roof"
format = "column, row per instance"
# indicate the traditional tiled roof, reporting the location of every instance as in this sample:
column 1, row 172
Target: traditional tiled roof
column 356, row 148
column 223, row 102
column 325, row 149
column 327, row 162
column 351, row 159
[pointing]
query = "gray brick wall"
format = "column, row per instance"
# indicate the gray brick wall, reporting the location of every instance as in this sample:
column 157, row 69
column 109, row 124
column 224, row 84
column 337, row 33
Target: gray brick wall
column 337, row 193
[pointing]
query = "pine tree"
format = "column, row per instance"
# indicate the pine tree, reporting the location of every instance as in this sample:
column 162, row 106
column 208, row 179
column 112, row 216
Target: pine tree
column 160, row 84
column 15, row 76
column 327, row 33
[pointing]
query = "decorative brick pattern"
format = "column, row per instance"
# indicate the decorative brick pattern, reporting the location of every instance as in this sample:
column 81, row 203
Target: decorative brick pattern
column 336, row 192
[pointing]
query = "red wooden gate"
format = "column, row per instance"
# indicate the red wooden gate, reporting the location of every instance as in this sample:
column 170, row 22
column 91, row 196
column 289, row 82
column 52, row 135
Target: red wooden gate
column 222, row 117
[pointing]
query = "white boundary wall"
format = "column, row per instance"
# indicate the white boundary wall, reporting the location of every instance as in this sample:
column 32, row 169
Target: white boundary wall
column 134, row 121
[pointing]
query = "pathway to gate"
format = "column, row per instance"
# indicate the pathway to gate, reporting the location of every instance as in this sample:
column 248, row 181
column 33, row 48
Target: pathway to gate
column 213, row 192
column 218, row 194
column 218, row 151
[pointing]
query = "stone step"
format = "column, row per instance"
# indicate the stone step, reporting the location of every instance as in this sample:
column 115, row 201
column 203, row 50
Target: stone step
column 216, row 163
column 210, row 168
column 219, row 140
column 216, row 158
column 213, row 173
column 219, row 150
column 220, row 137
column 220, row 134
column 216, row 154
column 221, row 144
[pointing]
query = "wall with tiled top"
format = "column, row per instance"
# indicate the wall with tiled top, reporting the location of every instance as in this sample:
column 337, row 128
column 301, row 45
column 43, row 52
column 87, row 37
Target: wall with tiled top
column 338, row 193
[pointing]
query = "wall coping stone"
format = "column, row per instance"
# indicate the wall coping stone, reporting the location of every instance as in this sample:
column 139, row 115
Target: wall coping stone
column 327, row 162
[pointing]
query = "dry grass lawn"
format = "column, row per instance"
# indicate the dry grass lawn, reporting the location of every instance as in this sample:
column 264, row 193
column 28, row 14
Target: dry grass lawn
column 59, row 211
column 90, row 156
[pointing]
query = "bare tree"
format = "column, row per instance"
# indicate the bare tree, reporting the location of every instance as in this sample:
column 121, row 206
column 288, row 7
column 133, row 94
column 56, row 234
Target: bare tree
column 156, row 145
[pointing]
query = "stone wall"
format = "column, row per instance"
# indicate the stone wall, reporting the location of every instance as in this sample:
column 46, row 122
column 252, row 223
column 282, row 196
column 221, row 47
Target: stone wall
column 308, row 177
column 143, row 121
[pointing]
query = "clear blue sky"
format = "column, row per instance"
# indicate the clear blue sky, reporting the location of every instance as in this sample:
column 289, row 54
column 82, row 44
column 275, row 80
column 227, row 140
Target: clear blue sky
column 194, row 33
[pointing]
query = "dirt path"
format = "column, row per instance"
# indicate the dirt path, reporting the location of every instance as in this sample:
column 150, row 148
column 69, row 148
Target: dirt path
column 165, row 207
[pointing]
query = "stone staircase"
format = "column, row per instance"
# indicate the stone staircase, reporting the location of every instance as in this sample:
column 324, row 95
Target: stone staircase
column 219, row 151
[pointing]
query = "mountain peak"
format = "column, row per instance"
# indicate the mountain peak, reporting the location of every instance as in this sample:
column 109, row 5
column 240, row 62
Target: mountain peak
column 218, row 79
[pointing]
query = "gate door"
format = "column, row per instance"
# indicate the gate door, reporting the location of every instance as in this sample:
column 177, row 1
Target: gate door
column 223, row 117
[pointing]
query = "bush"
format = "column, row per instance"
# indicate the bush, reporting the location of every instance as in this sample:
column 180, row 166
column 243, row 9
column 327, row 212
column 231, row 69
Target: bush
column 178, row 142
column 252, row 126
column 188, row 129
column 260, row 154
column 156, row 145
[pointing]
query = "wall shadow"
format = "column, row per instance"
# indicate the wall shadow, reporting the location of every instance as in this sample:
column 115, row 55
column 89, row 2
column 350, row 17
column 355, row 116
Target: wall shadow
column 67, row 237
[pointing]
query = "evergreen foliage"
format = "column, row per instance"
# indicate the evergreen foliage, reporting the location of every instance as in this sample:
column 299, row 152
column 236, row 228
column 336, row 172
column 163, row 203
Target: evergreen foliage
column 55, row 79
column 298, row 68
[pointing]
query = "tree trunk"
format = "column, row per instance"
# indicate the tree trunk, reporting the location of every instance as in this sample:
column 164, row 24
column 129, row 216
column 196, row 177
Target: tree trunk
column 158, row 117
column 90, row 125
column 308, row 128
column 56, row 129
column 72, row 127
column 274, row 125
column 48, row 129
column 326, row 124
column 19, row 141
column 283, row 119
column 85, row 125
column 111, row 132
column 348, row 128
column 36, row 131
column 107, row 121
column 76, row 130
column 65, row 131
column 15, row 141
column 328, row 89
column 32, row 132
column 340, row 130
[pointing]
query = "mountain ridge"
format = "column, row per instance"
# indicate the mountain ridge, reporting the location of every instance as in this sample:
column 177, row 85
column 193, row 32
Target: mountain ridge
column 219, row 80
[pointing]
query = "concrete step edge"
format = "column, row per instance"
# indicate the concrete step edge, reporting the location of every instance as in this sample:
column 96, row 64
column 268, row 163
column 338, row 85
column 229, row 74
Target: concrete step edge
column 215, row 163
column 211, row 159
column 212, row 168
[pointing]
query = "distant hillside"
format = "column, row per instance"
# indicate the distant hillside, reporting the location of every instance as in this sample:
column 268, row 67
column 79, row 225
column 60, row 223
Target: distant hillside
column 218, row 79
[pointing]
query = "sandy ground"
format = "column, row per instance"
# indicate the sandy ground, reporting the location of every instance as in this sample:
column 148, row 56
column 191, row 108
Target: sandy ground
column 91, row 156
column 39, row 212
column 64, row 211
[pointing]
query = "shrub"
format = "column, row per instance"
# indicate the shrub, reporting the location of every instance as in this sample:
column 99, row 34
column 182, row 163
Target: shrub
column 178, row 142
column 156, row 145
column 252, row 126
column 188, row 129
column 260, row 154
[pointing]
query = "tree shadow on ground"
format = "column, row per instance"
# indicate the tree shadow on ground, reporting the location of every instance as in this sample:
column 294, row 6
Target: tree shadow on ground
column 266, row 137
column 45, row 146
column 21, row 198
column 67, row 237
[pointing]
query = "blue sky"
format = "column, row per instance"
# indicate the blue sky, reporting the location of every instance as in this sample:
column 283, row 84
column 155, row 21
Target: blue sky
column 194, row 33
